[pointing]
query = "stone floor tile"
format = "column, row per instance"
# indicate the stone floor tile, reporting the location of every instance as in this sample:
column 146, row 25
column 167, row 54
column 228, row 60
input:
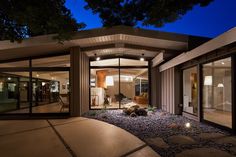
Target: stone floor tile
column 90, row 138
column 181, row 139
column 68, row 120
column 37, row 143
column 158, row 142
column 204, row 152
column 13, row 126
column 211, row 136
column 144, row 152
column 225, row 140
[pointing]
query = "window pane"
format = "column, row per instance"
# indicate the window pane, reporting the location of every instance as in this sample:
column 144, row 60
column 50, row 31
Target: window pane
column 17, row 64
column 134, row 87
column 57, row 61
column 217, row 104
column 132, row 62
column 50, row 92
column 105, row 62
column 104, row 84
column 14, row 92
column 190, row 91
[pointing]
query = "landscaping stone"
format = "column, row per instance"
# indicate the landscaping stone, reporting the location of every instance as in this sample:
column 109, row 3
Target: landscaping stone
column 201, row 152
column 226, row 140
column 181, row 139
column 141, row 112
column 174, row 126
column 211, row 136
column 164, row 125
column 158, row 142
column 133, row 115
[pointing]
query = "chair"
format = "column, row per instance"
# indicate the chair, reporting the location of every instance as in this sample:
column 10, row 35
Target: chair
column 63, row 104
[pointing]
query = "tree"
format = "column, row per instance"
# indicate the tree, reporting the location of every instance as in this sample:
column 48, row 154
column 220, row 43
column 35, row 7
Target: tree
column 147, row 12
column 25, row 18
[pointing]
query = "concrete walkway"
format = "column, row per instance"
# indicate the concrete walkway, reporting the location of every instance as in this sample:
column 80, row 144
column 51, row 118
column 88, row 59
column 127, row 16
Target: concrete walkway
column 80, row 137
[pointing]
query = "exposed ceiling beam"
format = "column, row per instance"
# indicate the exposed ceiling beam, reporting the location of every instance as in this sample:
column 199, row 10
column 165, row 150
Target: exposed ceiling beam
column 158, row 59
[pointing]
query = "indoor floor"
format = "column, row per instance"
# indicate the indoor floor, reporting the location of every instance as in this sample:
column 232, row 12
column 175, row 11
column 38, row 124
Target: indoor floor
column 219, row 117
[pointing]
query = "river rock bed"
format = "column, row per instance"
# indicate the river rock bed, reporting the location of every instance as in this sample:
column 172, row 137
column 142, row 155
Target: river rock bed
column 176, row 136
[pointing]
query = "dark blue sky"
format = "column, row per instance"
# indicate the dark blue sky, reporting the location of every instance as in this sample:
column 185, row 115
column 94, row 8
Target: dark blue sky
column 209, row 21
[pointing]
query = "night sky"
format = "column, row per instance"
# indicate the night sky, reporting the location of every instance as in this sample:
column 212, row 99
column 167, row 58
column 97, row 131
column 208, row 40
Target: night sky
column 209, row 21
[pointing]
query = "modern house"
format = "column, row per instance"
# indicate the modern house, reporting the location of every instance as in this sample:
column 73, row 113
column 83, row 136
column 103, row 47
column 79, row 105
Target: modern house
column 120, row 67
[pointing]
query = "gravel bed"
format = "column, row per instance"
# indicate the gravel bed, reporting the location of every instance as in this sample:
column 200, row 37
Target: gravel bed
column 161, row 124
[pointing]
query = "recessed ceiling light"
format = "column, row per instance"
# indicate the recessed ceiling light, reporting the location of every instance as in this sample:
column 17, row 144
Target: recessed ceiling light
column 37, row 75
column 142, row 58
column 97, row 58
column 222, row 63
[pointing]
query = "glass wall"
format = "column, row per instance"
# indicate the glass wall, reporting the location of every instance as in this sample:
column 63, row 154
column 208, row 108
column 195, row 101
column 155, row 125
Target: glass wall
column 217, row 96
column 119, row 83
column 104, row 84
column 190, row 91
column 14, row 92
column 49, row 82
column 134, row 87
column 50, row 91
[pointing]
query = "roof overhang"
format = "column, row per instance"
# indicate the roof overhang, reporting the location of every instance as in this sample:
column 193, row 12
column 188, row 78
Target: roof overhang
column 224, row 39
column 104, row 41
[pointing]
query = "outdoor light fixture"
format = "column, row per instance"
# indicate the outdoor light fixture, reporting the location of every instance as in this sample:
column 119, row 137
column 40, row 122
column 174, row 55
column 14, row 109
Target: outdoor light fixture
column 97, row 58
column 208, row 81
column 109, row 81
column 142, row 58
column 187, row 125
column 43, row 83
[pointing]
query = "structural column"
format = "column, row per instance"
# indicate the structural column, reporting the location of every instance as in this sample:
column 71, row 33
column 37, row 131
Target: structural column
column 79, row 77
column 156, row 87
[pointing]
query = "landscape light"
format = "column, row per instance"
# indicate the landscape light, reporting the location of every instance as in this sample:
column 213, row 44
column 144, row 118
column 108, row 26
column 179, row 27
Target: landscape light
column 187, row 125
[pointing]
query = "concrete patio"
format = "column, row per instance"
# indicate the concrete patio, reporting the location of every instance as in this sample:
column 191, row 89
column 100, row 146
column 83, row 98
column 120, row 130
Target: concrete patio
column 68, row 137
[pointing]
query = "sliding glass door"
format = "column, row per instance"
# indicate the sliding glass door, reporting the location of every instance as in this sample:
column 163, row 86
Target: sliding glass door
column 217, row 96
column 118, row 83
column 190, row 91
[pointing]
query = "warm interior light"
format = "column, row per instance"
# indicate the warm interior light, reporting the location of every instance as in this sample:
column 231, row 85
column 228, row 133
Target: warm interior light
column 43, row 83
column 109, row 81
column 37, row 75
column 52, row 78
column 222, row 63
column 187, row 125
column 220, row 85
column 208, row 81
column 9, row 78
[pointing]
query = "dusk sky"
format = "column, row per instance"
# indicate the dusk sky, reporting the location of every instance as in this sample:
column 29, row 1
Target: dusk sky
column 209, row 21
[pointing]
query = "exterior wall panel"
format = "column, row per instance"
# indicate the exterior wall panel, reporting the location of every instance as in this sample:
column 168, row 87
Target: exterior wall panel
column 169, row 94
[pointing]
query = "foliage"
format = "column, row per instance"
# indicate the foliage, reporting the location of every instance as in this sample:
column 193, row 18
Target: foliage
column 23, row 18
column 151, row 108
column 147, row 12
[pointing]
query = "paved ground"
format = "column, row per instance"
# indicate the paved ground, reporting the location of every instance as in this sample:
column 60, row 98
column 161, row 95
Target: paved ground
column 80, row 137
column 168, row 136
